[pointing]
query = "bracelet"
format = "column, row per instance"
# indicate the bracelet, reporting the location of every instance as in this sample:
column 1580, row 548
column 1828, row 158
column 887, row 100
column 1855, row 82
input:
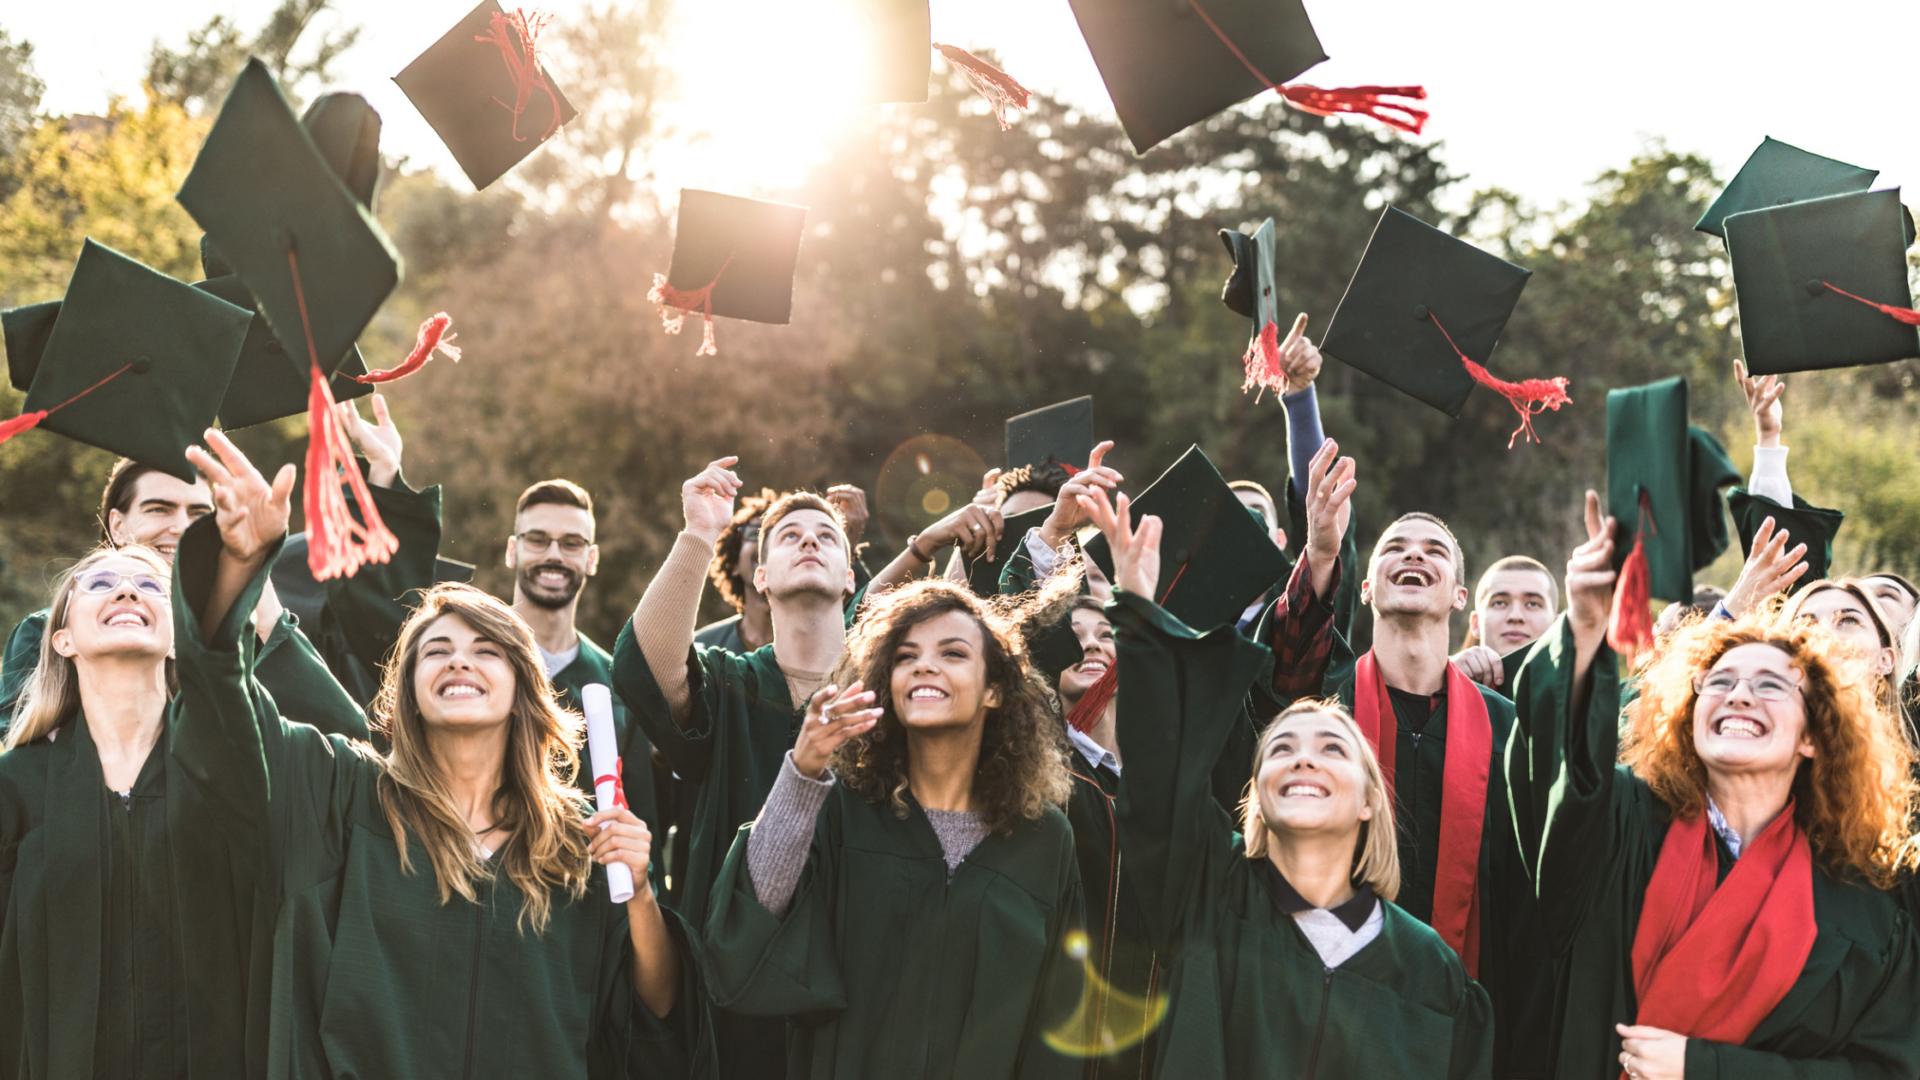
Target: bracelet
column 913, row 547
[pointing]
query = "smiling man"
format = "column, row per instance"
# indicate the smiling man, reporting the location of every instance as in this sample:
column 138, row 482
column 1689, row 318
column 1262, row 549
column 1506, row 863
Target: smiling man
column 1512, row 606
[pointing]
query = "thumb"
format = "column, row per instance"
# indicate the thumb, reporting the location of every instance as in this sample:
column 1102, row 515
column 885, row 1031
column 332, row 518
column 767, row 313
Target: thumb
column 283, row 482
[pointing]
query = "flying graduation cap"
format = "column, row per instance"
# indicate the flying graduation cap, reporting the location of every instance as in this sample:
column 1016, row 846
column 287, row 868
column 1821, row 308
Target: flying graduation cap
column 898, row 35
column 1249, row 293
column 132, row 361
column 732, row 257
column 1664, row 478
column 1823, row 283
column 1421, row 307
column 486, row 92
column 1169, row 64
column 1060, row 434
column 319, row 267
column 1777, row 174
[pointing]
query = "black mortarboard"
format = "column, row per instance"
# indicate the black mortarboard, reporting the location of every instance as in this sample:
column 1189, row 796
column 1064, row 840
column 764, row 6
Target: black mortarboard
column 262, row 190
column 268, row 382
column 1790, row 264
column 1777, row 174
column 346, row 131
column 1653, row 452
column 1214, row 557
column 983, row 575
column 1169, row 64
column 26, row 329
column 485, row 100
column 1249, row 292
column 745, row 248
column 136, row 362
column 1804, row 523
column 1060, row 433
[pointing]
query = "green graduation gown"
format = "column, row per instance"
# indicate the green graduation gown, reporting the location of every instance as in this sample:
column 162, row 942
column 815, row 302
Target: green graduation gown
column 1851, row 1013
column 1248, row 995
column 369, row 973
column 1122, row 952
column 595, row 665
column 890, row 970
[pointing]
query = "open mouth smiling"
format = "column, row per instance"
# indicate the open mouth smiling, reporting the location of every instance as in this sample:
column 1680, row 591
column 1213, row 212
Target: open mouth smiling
column 927, row 693
column 128, row 618
column 1739, row 727
column 459, row 689
column 1413, row 577
column 1303, row 789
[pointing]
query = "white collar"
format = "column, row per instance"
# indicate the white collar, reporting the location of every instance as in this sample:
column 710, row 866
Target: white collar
column 1092, row 751
column 1718, row 821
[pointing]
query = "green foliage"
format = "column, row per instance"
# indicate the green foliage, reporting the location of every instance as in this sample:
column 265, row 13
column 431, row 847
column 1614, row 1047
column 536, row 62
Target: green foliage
column 20, row 91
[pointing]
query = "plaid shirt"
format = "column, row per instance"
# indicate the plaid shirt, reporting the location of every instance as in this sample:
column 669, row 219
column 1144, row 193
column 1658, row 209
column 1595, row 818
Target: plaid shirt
column 1300, row 633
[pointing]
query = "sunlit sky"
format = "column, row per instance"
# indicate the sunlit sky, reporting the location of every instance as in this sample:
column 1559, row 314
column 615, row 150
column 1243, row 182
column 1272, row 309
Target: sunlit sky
column 1531, row 95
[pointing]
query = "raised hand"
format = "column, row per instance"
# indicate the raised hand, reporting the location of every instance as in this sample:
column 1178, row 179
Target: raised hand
column 707, row 499
column 380, row 445
column 833, row 717
column 252, row 514
column 1763, row 401
column 1136, row 551
column 1771, row 568
column 1068, row 516
column 1299, row 358
column 1329, row 506
column 1590, row 579
column 852, row 504
column 989, row 493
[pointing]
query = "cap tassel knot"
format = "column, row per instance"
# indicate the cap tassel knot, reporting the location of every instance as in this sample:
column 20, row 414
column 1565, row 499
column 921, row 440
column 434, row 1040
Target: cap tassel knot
column 27, row 421
column 1630, row 624
column 1085, row 714
column 1362, row 100
column 1529, row 397
column 1262, row 361
column 1000, row 89
column 1905, row 315
column 337, row 544
column 677, row 304
column 433, row 335
column 518, row 34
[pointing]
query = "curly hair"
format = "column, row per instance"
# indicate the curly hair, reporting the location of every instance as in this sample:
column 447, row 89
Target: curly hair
column 1853, row 799
column 724, row 571
column 1023, row 750
column 1047, row 478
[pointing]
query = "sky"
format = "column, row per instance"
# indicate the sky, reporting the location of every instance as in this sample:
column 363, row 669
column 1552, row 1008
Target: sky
column 1535, row 96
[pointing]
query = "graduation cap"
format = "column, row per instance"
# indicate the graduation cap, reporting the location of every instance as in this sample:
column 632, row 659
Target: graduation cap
column 1777, row 174
column 306, row 597
column 983, row 574
column 1249, row 293
column 346, row 131
column 26, row 330
column 1803, row 523
column 134, row 362
column 1823, row 283
column 1169, row 64
column 1663, row 489
column 1215, row 559
column 319, row 267
column 485, row 91
column 1061, row 433
column 732, row 257
column 1421, row 307
column 268, row 381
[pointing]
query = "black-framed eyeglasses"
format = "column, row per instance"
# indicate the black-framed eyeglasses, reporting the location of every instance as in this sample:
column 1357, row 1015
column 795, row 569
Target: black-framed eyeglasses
column 1765, row 686
column 104, row 581
column 571, row 544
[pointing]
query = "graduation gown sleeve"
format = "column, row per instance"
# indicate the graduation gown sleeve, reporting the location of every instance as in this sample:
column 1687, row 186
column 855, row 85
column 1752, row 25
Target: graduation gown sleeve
column 302, row 685
column 22, row 655
column 370, row 606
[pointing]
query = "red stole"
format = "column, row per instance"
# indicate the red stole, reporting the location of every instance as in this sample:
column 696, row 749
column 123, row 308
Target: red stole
column 1463, row 795
column 1711, row 963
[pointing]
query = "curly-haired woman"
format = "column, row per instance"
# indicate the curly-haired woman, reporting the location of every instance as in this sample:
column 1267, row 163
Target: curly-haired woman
column 439, row 909
column 906, row 907
column 1713, row 887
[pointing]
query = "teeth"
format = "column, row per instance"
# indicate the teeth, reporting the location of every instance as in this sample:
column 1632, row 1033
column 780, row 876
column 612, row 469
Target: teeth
column 126, row 618
column 925, row 693
column 1740, row 728
column 461, row 690
column 1303, row 789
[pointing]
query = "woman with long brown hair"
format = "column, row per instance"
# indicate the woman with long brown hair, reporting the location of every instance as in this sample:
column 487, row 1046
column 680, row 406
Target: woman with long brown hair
column 1714, row 888
column 907, row 907
column 441, row 909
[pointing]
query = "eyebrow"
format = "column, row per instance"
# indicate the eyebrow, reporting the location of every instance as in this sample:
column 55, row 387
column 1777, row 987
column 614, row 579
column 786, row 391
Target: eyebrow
column 955, row 640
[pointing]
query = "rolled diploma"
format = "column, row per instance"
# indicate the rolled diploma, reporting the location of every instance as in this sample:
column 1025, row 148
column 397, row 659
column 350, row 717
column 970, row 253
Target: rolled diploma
column 603, row 755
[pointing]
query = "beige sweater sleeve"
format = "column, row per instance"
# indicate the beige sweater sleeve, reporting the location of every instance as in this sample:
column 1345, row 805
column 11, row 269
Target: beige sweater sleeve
column 663, row 624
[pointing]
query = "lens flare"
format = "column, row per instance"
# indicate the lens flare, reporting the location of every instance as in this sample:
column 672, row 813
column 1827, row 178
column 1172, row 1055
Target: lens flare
column 1106, row 1020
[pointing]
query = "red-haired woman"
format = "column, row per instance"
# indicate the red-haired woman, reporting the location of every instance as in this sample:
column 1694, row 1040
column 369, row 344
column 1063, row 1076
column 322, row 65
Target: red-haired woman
column 1713, row 888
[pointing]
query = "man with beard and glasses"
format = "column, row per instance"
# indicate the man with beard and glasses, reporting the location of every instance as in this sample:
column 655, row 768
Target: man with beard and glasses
column 552, row 554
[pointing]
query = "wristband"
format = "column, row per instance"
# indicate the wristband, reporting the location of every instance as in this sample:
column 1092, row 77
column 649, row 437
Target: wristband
column 913, row 546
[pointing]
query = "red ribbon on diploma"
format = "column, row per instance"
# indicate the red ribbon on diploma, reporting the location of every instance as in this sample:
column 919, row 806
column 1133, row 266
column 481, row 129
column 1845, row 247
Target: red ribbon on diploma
column 619, row 786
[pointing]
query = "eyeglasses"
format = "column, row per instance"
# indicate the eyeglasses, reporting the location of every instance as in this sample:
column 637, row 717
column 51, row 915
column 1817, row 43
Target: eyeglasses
column 103, row 582
column 750, row 533
column 571, row 544
column 1764, row 686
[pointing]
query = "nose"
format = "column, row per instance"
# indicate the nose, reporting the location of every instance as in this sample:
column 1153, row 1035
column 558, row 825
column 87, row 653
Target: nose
column 1742, row 693
column 124, row 591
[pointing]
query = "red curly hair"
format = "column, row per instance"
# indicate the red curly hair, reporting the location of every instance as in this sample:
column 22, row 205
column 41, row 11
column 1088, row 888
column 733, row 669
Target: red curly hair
column 1853, row 799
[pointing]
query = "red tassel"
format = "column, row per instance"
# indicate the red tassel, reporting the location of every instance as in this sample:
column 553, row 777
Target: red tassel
column 430, row 338
column 517, row 34
column 1262, row 361
column 685, row 301
column 1363, row 100
column 1085, row 714
column 1905, row 315
column 999, row 88
column 1630, row 627
column 29, row 421
column 1528, row 397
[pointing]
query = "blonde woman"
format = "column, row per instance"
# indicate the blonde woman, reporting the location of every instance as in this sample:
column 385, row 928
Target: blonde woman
column 1288, row 957
column 439, row 910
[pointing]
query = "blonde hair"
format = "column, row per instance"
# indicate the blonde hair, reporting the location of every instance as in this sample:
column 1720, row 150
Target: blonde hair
column 52, row 693
column 545, row 850
column 1376, row 854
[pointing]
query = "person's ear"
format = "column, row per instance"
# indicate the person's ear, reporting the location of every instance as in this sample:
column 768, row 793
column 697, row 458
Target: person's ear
column 993, row 697
column 1366, row 591
column 63, row 640
column 1459, row 598
column 760, row 578
column 1366, row 810
column 593, row 559
column 117, row 528
column 512, row 544
column 1886, row 662
column 1473, row 625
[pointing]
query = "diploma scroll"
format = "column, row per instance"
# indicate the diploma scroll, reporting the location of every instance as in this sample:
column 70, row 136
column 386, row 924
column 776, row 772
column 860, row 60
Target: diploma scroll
column 603, row 751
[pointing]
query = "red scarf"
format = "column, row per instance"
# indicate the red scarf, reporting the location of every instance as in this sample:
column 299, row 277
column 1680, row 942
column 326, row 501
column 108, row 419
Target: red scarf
column 1463, row 795
column 1711, row 962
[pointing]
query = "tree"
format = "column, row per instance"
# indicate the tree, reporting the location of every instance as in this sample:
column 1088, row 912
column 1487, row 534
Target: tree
column 20, row 91
column 197, row 77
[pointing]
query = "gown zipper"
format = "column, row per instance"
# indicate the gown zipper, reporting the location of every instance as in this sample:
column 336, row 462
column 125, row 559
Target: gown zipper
column 473, row 991
column 1320, row 1030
